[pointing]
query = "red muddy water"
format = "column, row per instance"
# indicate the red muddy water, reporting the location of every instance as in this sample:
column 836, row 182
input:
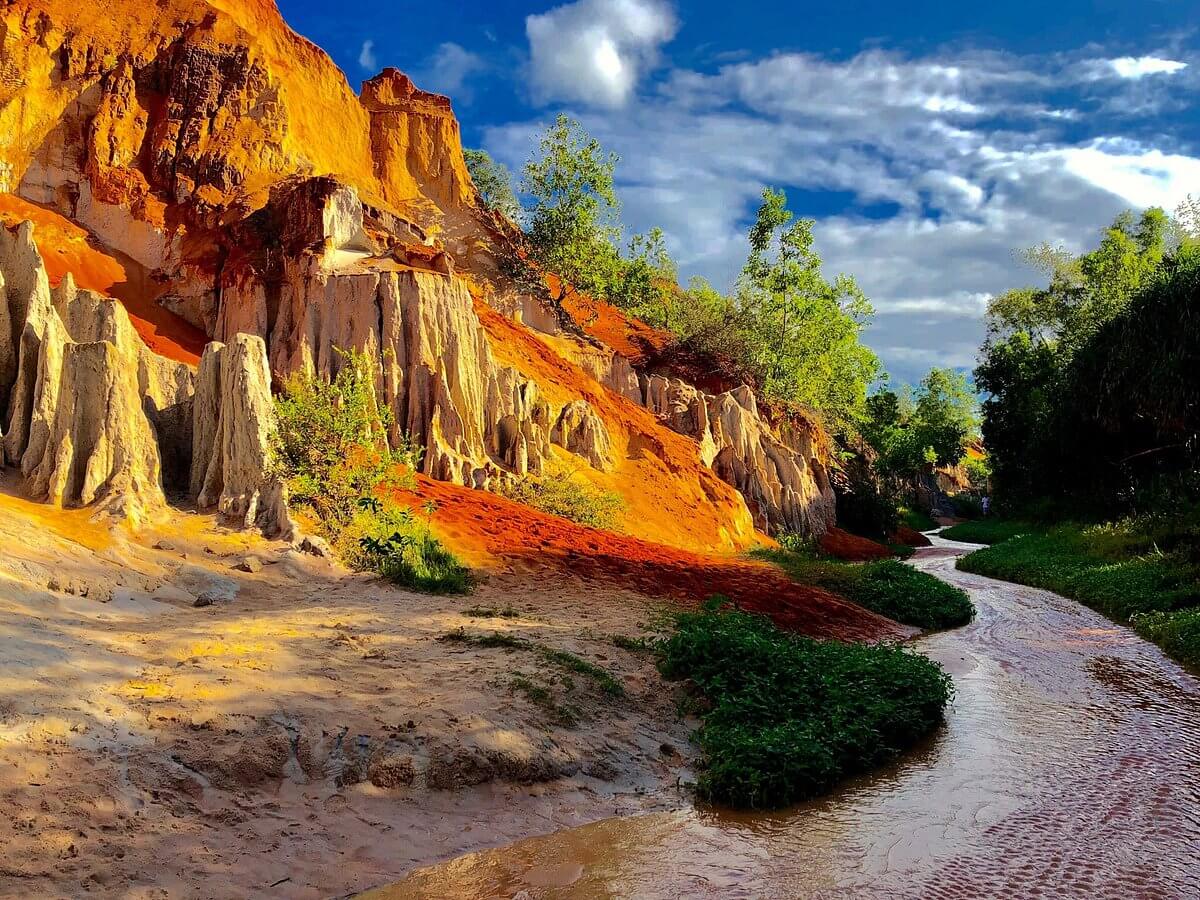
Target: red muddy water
column 1069, row 766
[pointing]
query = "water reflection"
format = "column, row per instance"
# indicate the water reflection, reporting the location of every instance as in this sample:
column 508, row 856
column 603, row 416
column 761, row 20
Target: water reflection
column 1069, row 767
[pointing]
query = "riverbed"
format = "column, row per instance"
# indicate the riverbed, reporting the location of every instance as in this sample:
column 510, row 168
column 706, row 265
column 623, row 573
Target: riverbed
column 1069, row 766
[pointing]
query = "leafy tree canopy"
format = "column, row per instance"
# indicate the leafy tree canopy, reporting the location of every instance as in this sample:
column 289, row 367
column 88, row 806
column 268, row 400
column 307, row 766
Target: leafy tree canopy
column 800, row 331
column 494, row 183
column 928, row 425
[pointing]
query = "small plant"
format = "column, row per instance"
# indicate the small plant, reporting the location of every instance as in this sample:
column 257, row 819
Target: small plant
column 634, row 645
column 566, row 715
column 331, row 446
column 788, row 717
column 490, row 612
column 566, row 494
column 569, row 661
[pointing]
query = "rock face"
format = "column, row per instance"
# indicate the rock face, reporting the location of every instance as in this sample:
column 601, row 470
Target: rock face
column 100, row 450
column 780, row 472
column 222, row 162
column 95, row 419
column 79, row 404
column 437, row 373
column 581, row 431
column 233, row 428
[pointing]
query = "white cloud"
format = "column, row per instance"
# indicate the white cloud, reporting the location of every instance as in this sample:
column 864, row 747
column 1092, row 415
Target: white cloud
column 366, row 57
column 971, row 161
column 595, row 51
column 448, row 69
column 1141, row 66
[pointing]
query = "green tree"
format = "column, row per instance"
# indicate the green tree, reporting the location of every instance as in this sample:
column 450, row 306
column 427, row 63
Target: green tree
column 931, row 425
column 1034, row 437
column 573, row 221
column 802, row 332
column 494, row 183
column 1083, row 291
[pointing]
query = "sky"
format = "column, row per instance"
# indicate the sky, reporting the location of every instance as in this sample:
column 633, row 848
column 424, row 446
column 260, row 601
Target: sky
column 929, row 140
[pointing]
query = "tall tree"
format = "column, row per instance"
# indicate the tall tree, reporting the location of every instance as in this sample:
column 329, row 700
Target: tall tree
column 573, row 221
column 802, row 331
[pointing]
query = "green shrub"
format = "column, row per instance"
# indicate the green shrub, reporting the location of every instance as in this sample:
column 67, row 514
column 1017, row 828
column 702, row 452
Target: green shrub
column 331, row 447
column 331, row 444
column 788, row 716
column 1176, row 632
column 388, row 539
column 987, row 531
column 887, row 587
column 967, row 506
column 569, row 496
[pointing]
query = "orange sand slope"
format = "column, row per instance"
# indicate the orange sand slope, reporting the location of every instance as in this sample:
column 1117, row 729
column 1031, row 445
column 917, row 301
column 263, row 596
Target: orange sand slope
column 65, row 247
column 486, row 527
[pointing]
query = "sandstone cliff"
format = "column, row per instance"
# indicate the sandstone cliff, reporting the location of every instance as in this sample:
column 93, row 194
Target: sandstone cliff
column 228, row 182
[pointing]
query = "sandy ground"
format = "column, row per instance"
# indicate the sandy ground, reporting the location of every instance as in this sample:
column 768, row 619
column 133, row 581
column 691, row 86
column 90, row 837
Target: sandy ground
column 306, row 734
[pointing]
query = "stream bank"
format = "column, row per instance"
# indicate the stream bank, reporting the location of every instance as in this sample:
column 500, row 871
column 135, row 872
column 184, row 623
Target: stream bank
column 1069, row 767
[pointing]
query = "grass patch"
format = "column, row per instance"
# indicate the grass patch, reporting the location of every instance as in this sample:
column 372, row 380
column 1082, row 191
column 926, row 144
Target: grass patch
column 567, row 495
column 788, row 717
column 491, row 612
column 1109, row 568
column 988, row 531
column 887, row 587
column 1176, row 632
column 388, row 539
column 541, row 696
column 569, row 661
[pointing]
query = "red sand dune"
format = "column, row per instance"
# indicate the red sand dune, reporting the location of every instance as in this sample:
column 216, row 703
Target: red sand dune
column 488, row 527
column 845, row 545
column 910, row 537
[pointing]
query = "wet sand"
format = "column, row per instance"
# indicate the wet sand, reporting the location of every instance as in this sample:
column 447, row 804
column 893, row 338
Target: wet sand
column 1069, row 766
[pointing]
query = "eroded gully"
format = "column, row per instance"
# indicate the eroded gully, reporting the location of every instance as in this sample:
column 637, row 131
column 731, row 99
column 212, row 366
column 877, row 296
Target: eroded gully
column 1069, row 766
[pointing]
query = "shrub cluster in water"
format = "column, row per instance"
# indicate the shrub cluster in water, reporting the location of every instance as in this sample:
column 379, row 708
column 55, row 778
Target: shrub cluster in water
column 332, row 449
column 788, row 716
column 887, row 587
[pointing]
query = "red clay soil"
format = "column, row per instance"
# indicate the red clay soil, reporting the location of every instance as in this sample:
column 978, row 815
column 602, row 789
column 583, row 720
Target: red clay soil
column 633, row 339
column 525, row 539
column 65, row 247
column 910, row 537
column 851, row 547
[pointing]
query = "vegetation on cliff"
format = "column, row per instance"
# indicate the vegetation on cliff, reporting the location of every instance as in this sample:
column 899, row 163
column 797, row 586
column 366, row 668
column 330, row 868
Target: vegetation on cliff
column 332, row 450
column 562, row 493
column 787, row 717
column 785, row 327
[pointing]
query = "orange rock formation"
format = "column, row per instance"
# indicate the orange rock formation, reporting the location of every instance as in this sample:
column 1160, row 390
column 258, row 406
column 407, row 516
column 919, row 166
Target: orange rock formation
column 215, row 172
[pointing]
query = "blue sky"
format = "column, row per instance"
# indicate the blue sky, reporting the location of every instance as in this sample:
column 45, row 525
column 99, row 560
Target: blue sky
column 929, row 140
